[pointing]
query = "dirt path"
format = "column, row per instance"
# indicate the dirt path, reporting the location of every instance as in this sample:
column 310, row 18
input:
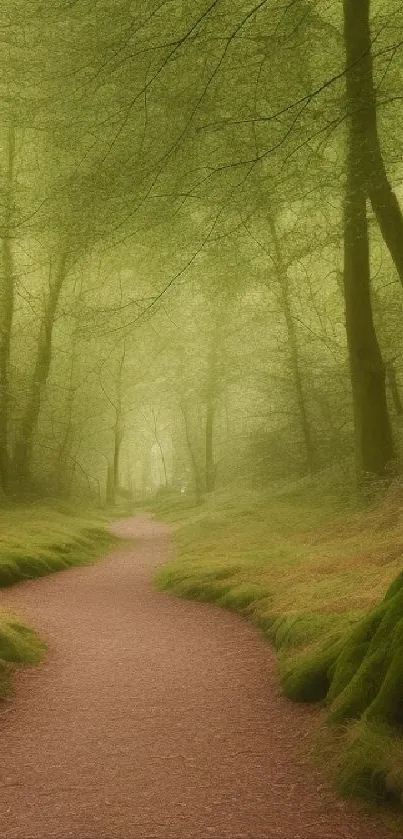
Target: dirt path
column 154, row 717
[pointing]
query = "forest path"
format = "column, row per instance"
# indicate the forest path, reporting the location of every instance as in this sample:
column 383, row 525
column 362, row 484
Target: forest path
column 155, row 717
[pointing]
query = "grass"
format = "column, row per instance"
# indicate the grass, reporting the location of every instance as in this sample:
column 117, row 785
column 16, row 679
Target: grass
column 311, row 577
column 36, row 540
column 18, row 645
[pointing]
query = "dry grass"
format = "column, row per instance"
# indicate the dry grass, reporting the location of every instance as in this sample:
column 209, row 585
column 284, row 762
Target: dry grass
column 306, row 559
column 305, row 574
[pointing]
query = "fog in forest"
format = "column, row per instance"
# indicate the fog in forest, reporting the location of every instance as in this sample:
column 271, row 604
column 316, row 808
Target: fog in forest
column 201, row 246
column 201, row 397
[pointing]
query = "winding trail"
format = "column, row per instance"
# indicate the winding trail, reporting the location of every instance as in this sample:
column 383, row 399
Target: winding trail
column 155, row 718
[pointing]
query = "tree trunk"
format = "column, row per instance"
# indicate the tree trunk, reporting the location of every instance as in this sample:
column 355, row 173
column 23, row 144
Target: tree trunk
column 6, row 309
column 110, row 486
column 117, row 444
column 304, row 422
column 210, row 468
column 193, row 459
column 357, row 34
column 161, row 450
column 394, row 387
column 118, row 429
column 64, row 472
column 373, row 436
column 24, row 445
column 164, row 463
column 116, row 457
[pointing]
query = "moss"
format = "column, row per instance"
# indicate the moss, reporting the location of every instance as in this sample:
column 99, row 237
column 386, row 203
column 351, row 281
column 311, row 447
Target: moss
column 359, row 692
column 377, row 684
column 34, row 541
column 395, row 587
column 241, row 596
column 393, row 607
column 224, row 573
column 345, row 668
column 302, row 629
column 356, row 670
column 16, row 566
column 208, row 591
column 31, row 566
column 387, row 706
column 9, row 573
column 56, row 563
column 62, row 548
column 263, row 620
column 39, row 539
column 364, row 781
column 365, row 765
column 19, row 644
column 354, row 651
column 308, row 680
column 362, row 672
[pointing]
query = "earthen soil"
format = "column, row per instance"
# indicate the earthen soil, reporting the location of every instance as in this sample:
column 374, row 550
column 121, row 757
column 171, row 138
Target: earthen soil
column 155, row 718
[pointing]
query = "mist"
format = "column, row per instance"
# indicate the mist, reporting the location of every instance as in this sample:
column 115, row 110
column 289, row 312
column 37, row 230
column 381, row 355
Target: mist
column 201, row 250
column 201, row 270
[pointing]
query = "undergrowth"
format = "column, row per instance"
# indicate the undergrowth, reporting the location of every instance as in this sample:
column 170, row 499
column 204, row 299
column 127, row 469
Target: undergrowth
column 18, row 645
column 36, row 540
column 314, row 579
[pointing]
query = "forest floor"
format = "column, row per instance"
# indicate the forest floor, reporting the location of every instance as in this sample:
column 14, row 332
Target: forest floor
column 305, row 571
column 156, row 717
column 38, row 539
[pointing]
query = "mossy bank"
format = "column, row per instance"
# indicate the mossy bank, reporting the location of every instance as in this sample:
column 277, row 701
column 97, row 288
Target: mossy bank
column 326, row 588
column 36, row 540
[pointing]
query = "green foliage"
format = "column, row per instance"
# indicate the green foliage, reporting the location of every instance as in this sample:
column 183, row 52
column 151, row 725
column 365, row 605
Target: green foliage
column 35, row 541
column 354, row 651
column 210, row 586
column 9, row 573
column 366, row 673
column 307, row 679
column 369, row 764
column 395, row 587
column 170, row 505
column 18, row 645
column 264, row 560
column 387, row 704
column 361, row 689
column 301, row 629
column 38, row 540
column 243, row 595
column 361, row 679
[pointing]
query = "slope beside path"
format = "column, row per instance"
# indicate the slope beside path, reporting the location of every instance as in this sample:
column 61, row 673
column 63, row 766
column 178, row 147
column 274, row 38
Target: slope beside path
column 155, row 718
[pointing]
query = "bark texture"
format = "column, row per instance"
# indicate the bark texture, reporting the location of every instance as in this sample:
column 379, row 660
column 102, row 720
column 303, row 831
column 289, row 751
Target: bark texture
column 374, row 445
column 294, row 359
column 6, row 308
column 363, row 110
column 24, row 444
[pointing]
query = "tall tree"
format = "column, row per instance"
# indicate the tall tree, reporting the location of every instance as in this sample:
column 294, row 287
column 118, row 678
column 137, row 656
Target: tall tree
column 7, row 300
column 374, row 445
column 294, row 357
column 358, row 41
column 25, row 439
